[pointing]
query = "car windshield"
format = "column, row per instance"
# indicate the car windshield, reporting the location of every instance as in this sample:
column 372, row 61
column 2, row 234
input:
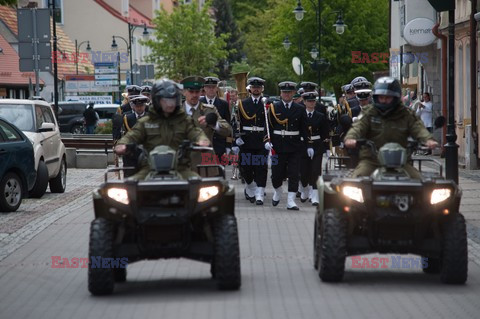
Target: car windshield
column 21, row 115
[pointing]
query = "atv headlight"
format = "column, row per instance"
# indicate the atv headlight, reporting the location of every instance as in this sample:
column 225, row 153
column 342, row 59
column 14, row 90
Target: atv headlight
column 206, row 193
column 118, row 194
column 439, row 195
column 354, row 193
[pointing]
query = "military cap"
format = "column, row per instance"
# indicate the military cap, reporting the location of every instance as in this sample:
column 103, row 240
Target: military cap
column 309, row 96
column 193, row 82
column 211, row 80
column 309, row 86
column 146, row 89
column 287, row 86
column 348, row 88
column 135, row 99
column 296, row 95
column 255, row 81
column 133, row 90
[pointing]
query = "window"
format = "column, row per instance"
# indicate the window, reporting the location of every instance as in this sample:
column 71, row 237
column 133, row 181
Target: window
column 10, row 134
column 47, row 115
column 21, row 115
column 467, row 81
column 38, row 116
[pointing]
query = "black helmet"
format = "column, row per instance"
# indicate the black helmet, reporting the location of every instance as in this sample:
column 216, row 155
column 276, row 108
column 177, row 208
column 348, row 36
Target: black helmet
column 165, row 89
column 390, row 87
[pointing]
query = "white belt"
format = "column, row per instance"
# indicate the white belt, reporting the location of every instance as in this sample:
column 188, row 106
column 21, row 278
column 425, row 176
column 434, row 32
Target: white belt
column 289, row 133
column 313, row 138
column 253, row 128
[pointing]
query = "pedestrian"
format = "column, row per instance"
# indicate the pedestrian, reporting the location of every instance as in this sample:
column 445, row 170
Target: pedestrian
column 91, row 119
column 253, row 156
column 287, row 125
column 312, row 87
column 363, row 89
column 313, row 148
column 205, row 116
column 425, row 112
column 211, row 97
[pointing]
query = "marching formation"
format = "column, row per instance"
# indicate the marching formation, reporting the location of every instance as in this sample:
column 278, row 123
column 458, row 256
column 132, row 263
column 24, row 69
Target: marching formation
column 290, row 134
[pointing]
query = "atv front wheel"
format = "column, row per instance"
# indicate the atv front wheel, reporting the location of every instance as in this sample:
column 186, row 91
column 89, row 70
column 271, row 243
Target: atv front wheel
column 316, row 243
column 332, row 249
column 100, row 280
column 455, row 251
column 120, row 274
column 227, row 253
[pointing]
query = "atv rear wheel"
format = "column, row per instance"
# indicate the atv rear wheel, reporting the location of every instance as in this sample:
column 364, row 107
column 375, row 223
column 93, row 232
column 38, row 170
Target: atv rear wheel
column 455, row 251
column 227, row 253
column 101, row 280
column 332, row 249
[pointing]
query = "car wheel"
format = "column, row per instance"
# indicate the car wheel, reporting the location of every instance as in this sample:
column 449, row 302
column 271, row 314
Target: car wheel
column 78, row 129
column 333, row 246
column 41, row 183
column 59, row 182
column 227, row 253
column 101, row 281
column 455, row 250
column 11, row 192
column 120, row 274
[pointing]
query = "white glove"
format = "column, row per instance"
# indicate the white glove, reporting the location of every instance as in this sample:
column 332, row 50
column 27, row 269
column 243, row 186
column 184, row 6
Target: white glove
column 235, row 150
column 228, row 150
column 328, row 153
column 310, row 152
column 354, row 119
column 239, row 141
column 268, row 146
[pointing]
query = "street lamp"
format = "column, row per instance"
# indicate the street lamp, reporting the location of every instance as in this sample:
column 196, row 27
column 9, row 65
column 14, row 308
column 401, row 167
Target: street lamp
column 77, row 49
column 299, row 12
column 286, row 43
column 131, row 29
column 339, row 25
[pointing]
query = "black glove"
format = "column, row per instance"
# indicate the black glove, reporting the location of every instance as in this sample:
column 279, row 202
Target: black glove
column 211, row 118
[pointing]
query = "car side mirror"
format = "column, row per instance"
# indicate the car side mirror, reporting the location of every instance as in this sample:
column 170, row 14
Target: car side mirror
column 47, row 127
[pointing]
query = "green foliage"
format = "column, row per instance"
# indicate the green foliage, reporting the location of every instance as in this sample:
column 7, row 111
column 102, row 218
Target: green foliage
column 225, row 24
column 104, row 129
column 185, row 43
column 240, row 67
column 8, row 2
column 267, row 22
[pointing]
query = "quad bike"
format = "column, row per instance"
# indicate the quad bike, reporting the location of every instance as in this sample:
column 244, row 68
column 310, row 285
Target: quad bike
column 163, row 216
column 389, row 212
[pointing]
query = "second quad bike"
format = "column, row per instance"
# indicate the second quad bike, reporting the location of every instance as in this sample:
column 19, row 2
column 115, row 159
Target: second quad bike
column 390, row 212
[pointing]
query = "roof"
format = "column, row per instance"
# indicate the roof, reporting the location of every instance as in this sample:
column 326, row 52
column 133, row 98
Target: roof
column 10, row 72
column 64, row 44
column 135, row 17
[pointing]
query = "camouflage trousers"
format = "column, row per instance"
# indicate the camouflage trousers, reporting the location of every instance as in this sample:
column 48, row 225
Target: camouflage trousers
column 367, row 166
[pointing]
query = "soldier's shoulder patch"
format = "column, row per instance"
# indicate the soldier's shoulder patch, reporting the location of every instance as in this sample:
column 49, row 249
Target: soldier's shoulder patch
column 151, row 125
column 210, row 106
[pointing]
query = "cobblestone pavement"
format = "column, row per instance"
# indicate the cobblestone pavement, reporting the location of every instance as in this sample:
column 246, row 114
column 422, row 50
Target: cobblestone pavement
column 278, row 279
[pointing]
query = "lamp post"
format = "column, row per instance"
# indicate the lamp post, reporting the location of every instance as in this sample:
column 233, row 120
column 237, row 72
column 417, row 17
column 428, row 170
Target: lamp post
column 131, row 29
column 339, row 28
column 77, row 49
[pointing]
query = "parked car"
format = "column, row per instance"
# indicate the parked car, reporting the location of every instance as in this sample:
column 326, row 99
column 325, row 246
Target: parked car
column 70, row 117
column 105, row 112
column 17, row 166
column 36, row 120
column 329, row 101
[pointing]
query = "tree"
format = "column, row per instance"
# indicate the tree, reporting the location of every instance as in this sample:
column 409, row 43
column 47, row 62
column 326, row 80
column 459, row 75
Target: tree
column 7, row 2
column 225, row 24
column 185, row 43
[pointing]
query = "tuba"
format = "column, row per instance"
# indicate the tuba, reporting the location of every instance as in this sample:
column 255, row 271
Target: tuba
column 241, row 83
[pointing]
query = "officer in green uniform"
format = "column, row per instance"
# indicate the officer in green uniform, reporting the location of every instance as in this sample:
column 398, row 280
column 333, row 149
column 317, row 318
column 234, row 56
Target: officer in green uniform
column 165, row 124
column 388, row 121
column 205, row 116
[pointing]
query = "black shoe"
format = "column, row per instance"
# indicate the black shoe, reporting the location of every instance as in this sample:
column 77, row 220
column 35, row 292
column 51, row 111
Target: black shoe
column 315, row 204
column 299, row 194
column 259, row 202
column 303, row 200
column 275, row 202
column 252, row 200
column 248, row 197
column 293, row 208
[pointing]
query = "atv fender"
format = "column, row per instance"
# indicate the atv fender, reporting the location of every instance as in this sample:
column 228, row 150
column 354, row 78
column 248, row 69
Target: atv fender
column 323, row 188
